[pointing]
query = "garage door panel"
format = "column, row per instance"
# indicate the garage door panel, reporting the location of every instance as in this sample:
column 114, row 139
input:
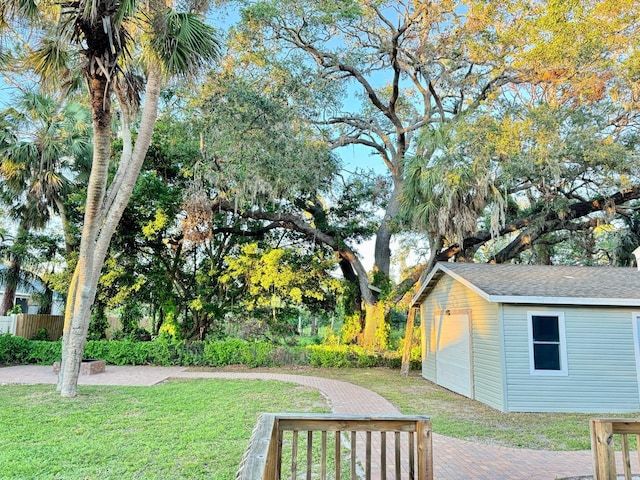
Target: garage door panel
column 453, row 358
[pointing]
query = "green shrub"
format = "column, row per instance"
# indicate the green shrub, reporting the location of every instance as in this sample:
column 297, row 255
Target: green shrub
column 42, row 352
column 234, row 351
column 191, row 353
column 117, row 352
column 14, row 350
column 223, row 352
column 356, row 356
column 218, row 353
column 330, row 355
column 41, row 334
column 257, row 354
column 167, row 351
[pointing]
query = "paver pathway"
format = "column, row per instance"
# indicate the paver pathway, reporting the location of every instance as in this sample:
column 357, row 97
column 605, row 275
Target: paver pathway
column 453, row 459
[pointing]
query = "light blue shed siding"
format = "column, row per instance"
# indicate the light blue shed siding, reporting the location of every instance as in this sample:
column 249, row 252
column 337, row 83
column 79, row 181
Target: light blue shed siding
column 602, row 376
column 487, row 361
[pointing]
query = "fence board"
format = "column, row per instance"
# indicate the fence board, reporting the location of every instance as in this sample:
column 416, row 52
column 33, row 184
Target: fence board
column 27, row 326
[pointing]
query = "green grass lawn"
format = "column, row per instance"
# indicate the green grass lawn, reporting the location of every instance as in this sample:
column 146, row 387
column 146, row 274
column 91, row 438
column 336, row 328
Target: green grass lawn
column 180, row 429
column 460, row 417
column 195, row 429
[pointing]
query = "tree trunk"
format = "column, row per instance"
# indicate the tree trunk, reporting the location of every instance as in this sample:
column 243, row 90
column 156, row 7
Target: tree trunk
column 10, row 287
column 373, row 337
column 375, row 310
column 69, row 240
column 102, row 214
column 81, row 290
column 13, row 272
column 47, row 302
column 382, row 252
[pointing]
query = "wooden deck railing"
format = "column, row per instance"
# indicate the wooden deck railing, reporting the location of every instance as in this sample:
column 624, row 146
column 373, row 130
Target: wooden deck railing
column 327, row 446
column 603, row 446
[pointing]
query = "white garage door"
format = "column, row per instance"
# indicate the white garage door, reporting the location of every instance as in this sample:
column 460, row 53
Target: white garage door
column 453, row 353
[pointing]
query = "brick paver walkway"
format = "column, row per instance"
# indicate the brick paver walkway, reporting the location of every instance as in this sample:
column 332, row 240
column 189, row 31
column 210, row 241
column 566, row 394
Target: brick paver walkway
column 453, row 459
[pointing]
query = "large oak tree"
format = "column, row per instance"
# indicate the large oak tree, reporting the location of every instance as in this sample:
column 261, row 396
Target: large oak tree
column 410, row 81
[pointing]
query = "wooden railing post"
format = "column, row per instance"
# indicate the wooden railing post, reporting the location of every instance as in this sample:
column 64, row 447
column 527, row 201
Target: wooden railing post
column 273, row 462
column 425, row 450
column 258, row 461
column 603, row 450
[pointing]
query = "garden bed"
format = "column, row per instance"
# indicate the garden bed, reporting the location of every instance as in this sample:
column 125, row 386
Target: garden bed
column 88, row 367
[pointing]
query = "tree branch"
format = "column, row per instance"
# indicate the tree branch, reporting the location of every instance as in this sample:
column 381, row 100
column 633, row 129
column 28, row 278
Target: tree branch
column 576, row 210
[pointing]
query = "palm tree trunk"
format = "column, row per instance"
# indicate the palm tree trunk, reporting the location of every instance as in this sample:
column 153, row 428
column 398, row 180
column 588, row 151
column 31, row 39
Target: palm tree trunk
column 10, row 286
column 69, row 239
column 12, row 278
column 104, row 210
column 82, row 289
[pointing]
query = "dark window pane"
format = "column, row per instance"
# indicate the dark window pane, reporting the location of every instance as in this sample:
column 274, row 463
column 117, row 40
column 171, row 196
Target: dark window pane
column 546, row 357
column 545, row 329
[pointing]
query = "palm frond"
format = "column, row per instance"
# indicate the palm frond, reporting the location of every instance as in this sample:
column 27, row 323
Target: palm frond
column 25, row 281
column 51, row 61
column 10, row 9
column 127, row 10
column 89, row 10
column 11, row 171
column 183, row 42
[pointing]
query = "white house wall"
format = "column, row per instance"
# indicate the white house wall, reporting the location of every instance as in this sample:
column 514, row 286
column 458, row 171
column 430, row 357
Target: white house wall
column 601, row 377
column 448, row 294
column 8, row 324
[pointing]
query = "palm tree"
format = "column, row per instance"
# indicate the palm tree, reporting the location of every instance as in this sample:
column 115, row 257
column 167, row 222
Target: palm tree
column 123, row 48
column 11, row 277
column 40, row 139
column 27, row 256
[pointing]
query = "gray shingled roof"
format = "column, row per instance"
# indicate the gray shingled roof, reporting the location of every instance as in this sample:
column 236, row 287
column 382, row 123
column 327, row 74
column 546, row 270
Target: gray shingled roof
column 553, row 284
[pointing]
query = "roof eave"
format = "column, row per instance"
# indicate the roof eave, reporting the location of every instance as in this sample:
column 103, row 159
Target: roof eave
column 601, row 302
column 430, row 279
column 433, row 277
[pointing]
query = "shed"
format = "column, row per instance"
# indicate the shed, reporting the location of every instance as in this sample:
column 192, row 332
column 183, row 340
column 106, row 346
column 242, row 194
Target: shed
column 533, row 338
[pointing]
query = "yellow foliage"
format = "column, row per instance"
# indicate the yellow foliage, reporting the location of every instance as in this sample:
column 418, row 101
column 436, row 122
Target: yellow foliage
column 275, row 273
column 196, row 304
column 160, row 221
column 350, row 329
column 296, row 294
column 169, row 329
column 605, row 227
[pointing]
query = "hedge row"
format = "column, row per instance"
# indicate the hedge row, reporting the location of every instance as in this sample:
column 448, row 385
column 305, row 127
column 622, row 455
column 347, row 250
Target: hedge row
column 20, row 351
column 355, row 356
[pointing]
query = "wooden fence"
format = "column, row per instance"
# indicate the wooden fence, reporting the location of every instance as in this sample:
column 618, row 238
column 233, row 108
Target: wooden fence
column 603, row 446
column 366, row 447
column 27, row 325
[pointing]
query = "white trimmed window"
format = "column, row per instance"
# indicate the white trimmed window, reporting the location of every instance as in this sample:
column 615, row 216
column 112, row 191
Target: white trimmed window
column 547, row 343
